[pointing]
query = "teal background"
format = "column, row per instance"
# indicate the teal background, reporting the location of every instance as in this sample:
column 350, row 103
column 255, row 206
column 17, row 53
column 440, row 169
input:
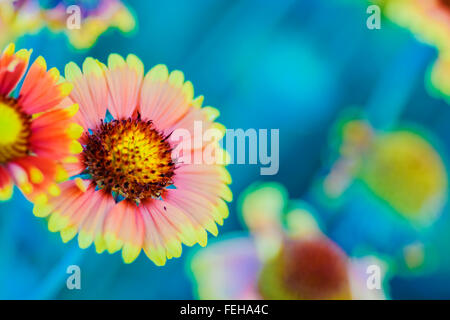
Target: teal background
column 288, row 65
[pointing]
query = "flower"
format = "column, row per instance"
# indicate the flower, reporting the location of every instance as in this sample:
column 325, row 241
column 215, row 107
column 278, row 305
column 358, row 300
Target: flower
column 429, row 21
column 408, row 173
column 95, row 17
column 18, row 18
column 36, row 128
column 400, row 167
column 131, row 188
column 306, row 269
column 293, row 260
column 83, row 21
column 438, row 83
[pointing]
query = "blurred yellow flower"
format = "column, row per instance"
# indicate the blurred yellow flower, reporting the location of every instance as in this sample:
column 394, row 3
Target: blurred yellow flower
column 406, row 171
column 400, row 167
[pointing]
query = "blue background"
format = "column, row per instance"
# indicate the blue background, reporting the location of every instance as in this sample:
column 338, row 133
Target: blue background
column 288, row 65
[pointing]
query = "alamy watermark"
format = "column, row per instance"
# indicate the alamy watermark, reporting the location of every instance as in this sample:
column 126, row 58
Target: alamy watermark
column 74, row 280
column 74, row 17
column 374, row 277
column 374, row 20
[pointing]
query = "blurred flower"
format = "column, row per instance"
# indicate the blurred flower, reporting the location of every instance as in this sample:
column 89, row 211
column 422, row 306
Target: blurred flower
column 262, row 207
column 97, row 16
column 406, row 171
column 429, row 21
column 291, row 260
column 306, row 269
column 82, row 25
column 126, row 192
column 400, row 167
column 18, row 18
column 36, row 132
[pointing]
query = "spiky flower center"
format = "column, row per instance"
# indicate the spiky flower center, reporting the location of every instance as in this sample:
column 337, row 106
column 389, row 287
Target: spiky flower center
column 15, row 130
column 130, row 159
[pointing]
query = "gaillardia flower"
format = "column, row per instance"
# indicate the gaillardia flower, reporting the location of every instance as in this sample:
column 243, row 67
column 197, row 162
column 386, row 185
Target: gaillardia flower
column 130, row 189
column 93, row 17
column 36, row 128
column 292, row 261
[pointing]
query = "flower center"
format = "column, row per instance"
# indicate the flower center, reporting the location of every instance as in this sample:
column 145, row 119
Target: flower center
column 445, row 3
column 315, row 268
column 306, row 269
column 14, row 130
column 130, row 159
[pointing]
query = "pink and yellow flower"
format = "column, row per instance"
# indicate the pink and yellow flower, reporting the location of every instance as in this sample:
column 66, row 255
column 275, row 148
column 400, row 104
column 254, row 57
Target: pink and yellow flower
column 36, row 128
column 129, row 189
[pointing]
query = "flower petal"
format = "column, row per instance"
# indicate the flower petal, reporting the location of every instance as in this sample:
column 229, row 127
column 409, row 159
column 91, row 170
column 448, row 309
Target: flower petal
column 124, row 81
column 42, row 90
